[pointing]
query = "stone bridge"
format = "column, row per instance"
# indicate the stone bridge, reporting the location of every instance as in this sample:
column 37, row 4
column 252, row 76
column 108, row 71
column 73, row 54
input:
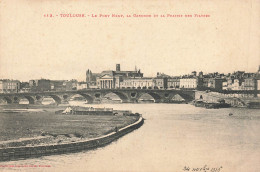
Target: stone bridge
column 95, row 95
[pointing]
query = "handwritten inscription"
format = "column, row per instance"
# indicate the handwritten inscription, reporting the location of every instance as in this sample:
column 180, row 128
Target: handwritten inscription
column 203, row 169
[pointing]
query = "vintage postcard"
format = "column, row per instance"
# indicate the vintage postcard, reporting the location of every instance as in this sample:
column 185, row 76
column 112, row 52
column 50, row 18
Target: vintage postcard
column 138, row 85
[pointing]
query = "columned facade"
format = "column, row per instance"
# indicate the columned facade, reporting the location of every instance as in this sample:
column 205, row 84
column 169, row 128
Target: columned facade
column 106, row 82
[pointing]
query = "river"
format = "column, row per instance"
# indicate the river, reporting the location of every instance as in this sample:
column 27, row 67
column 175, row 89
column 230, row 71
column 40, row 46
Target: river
column 173, row 136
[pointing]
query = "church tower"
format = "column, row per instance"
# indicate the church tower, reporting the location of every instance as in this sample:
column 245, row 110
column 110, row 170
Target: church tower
column 88, row 75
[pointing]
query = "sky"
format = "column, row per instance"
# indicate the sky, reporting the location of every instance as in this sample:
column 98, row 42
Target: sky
column 33, row 46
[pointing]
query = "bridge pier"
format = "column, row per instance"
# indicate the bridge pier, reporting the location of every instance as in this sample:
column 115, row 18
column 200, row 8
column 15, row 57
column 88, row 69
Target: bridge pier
column 64, row 102
column 37, row 99
column 133, row 97
column 15, row 100
column 62, row 98
column 37, row 102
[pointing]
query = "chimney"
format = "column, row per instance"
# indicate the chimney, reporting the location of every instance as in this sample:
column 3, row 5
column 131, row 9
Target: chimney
column 117, row 67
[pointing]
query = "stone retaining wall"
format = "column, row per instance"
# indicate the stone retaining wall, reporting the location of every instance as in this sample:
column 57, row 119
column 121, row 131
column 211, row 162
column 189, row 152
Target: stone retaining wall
column 14, row 153
column 24, row 142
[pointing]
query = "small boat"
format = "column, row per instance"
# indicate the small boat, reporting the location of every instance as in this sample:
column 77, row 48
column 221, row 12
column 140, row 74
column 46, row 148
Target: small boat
column 253, row 105
column 212, row 105
column 199, row 103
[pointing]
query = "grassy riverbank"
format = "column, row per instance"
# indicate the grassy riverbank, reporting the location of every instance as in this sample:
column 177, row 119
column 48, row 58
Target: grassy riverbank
column 57, row 128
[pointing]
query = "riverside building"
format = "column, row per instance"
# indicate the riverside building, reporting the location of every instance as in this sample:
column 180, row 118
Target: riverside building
column 9, row 86
column 189, row 82
column 111, row 79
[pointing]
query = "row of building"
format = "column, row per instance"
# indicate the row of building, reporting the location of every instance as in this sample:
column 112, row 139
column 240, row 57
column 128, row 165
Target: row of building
column 117, row 79
column 134, row 79
column 236, row 81
column 39, row 85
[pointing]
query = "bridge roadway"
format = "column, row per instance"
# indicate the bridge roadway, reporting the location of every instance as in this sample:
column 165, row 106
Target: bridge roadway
column 95, row 95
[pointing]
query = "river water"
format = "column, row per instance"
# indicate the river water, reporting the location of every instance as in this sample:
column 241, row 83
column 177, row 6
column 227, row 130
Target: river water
column 174, row 136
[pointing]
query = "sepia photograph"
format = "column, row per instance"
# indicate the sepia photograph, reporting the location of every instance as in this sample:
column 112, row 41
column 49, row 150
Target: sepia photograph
column 130, row 86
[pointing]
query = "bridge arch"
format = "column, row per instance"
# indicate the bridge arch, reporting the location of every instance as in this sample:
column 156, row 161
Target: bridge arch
column 187, row 97
column 56, row 98
column 88, row 97
column 24, row 100
column 145, row 97
column 155, row 96
column 121, row 95
column 8, row 100
column 30, row 99
column 177, row 98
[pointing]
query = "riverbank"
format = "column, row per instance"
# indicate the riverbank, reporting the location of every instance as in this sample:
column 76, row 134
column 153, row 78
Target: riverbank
column 44, row 128
column 13, row 153
column 235, row 100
